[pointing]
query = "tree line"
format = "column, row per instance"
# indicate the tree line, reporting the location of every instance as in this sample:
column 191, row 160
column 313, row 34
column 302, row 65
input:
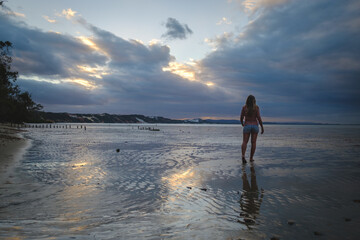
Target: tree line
column 15, row 105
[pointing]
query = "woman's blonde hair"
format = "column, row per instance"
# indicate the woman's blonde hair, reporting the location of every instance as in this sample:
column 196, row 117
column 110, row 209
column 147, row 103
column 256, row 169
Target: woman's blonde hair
column 251, row 104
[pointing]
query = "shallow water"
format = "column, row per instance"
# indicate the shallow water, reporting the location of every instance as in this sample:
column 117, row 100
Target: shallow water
column 184, row 182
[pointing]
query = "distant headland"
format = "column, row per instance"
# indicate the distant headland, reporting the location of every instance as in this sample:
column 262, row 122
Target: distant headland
column 51, row 117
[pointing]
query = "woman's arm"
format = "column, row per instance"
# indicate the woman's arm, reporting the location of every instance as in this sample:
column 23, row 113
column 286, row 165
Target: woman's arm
column 242, row 116
column 260, row 120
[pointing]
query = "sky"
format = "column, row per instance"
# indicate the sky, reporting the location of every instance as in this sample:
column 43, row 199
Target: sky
column 189, row 59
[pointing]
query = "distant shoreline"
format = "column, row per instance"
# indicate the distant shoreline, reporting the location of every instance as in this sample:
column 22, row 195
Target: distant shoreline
column 50, row 117
column 185, row 123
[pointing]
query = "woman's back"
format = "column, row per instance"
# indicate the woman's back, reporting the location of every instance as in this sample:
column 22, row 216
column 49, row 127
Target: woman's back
column 251, row 117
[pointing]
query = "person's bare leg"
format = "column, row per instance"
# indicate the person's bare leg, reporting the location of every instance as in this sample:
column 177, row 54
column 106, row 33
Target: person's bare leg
column 246, row 137
column 253, row 145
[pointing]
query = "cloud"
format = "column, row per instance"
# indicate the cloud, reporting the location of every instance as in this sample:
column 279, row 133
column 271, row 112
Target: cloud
column 47, row 18
column 6, row 10
column 102, row 73
column 224, row 20
column 220, row 41
column 176, row 30
column 45, row 53
column 299, row 67
column 60, row 94
column 16, row 14
column 254, row 5
column 68, row 13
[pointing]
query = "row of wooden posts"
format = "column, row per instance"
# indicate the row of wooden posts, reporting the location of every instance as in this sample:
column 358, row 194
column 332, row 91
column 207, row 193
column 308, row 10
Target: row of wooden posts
column 24, row 125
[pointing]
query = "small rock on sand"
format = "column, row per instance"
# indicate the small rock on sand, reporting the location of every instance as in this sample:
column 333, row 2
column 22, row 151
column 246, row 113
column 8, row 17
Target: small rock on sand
column 118, row 150
column 249, row 220
column 242, row 214
column 290, row 222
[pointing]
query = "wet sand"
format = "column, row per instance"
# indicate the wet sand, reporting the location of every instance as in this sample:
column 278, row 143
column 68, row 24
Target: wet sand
column 12, row 146
column 184, row 182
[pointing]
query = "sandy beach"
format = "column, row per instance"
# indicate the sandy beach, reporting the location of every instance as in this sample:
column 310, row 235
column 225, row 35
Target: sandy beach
column 181, row 182
column 12, row 146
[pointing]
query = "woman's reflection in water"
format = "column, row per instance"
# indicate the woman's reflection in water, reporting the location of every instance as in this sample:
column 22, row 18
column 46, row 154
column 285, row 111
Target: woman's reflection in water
column 250, row 199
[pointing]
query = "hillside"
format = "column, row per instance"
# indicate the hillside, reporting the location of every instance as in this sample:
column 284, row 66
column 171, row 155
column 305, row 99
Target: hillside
column 100, row 118
column 51, row 117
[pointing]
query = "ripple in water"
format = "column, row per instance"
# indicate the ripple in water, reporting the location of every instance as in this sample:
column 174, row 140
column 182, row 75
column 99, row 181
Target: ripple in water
column 184, row 182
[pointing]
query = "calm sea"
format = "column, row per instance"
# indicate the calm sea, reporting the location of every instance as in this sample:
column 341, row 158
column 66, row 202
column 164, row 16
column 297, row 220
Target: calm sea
column 184, row 182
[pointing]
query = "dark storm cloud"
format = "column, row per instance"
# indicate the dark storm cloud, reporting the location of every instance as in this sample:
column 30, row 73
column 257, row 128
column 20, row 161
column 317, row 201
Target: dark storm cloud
column 134, row 82
column 44, row 53
column 130, row 54
column 297, row 67
column 60, row 94
column 176, row 30
column 301, row 59
column 138, row 76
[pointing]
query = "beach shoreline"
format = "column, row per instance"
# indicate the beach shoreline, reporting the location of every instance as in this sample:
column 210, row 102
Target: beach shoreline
column 13, row 145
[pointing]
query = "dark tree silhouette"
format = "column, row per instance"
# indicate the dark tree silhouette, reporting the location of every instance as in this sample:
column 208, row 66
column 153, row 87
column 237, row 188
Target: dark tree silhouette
column 15, row 106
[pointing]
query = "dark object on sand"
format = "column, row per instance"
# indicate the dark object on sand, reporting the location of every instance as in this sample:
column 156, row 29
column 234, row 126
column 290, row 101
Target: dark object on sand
column 274, row 238
column 347, row 219
column 118, row 150
column 291, row 222
column 154, row 129
column 189, row 187
column 249, row 220
column 356, row 201
column 203, row 189
column 242, row 214
column 317, row 234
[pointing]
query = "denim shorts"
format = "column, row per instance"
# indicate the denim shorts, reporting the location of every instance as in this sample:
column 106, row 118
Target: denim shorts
column 251, row 129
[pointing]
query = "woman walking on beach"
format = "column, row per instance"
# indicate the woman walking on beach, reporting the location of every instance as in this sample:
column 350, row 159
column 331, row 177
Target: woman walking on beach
column 251, row 113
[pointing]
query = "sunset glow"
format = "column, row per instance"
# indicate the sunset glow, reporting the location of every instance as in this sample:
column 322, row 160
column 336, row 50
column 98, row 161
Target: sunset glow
column 183, row 70
column 87, row 41
column 82, row 82
column 179, row 179
column 97, row 72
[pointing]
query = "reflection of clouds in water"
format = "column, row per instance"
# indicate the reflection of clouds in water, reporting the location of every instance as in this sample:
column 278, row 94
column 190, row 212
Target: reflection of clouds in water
column 84, row 167
column 251, row 198
column 177, row 187
column 180, row 179
column 84, row 178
